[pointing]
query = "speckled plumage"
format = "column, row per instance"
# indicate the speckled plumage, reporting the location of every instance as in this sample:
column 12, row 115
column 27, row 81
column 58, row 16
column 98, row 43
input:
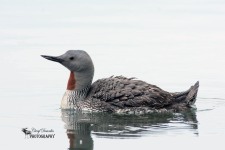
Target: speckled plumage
column 116, row 94
column 128, row 95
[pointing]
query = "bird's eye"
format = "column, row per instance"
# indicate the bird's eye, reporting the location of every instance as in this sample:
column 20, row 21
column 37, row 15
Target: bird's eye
column 71, row 58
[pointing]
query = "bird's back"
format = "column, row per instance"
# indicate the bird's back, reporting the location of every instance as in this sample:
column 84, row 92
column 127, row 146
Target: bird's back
column 125, row 94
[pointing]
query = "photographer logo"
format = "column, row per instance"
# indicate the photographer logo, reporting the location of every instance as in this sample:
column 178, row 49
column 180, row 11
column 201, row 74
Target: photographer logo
column 38, row 133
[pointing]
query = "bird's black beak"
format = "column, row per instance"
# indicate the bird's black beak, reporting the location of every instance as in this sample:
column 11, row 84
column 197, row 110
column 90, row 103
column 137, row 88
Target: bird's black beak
column 53, row 58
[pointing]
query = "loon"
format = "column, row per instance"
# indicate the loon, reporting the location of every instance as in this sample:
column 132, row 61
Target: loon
column 116, row 94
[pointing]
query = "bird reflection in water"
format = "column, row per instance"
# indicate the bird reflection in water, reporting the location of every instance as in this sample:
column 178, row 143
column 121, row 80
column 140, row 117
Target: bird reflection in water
column 80, row 126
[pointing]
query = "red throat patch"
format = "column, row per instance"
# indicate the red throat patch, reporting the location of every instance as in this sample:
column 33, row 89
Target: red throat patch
column 71, row 82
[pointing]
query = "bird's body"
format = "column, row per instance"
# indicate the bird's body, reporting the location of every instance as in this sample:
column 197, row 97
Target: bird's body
column 116, row 94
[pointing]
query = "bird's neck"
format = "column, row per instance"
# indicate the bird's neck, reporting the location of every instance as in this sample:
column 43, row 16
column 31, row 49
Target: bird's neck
column 77, row 89
column 71, row 82
column 79, row 81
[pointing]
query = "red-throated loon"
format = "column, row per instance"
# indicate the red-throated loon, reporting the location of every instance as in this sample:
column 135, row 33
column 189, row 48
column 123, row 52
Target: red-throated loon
column 115, row 94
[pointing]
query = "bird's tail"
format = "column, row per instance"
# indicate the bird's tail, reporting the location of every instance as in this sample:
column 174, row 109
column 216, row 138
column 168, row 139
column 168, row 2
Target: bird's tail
column 189, row 96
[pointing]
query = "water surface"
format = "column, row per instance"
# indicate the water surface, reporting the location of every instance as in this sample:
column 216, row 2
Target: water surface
column 168, row 43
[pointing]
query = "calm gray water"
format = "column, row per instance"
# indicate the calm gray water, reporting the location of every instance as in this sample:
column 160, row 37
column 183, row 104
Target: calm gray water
column 168, row 43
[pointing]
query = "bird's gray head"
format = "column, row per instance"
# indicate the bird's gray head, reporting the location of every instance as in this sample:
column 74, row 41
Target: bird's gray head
column 74, row 60
column 79, row 63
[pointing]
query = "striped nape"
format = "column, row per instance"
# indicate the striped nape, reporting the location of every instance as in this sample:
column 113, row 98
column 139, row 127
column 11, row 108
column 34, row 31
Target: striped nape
column 73, row 98
column 80, row 93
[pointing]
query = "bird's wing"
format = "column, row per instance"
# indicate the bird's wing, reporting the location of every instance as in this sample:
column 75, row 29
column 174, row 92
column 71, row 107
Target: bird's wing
column 123, row 92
